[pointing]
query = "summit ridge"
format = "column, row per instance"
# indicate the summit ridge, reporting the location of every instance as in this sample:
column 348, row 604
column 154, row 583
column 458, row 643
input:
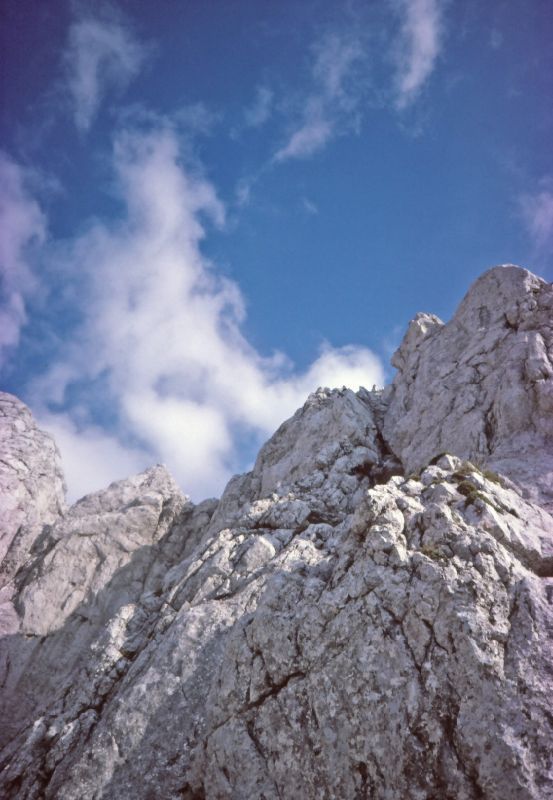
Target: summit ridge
column 367, row 613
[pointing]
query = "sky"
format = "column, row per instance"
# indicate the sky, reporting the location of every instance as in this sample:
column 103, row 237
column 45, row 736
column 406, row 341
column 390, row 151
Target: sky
column 210, row 208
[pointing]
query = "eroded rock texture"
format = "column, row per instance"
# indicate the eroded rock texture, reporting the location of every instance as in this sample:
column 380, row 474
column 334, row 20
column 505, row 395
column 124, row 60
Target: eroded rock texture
column 481, row 386
column 32, row 494
column 348, row 621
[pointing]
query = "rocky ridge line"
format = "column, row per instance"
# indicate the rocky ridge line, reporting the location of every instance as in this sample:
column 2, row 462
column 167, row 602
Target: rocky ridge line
column 367, row 614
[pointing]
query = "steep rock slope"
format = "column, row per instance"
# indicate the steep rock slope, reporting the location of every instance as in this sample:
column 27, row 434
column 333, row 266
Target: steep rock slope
column 335, row 626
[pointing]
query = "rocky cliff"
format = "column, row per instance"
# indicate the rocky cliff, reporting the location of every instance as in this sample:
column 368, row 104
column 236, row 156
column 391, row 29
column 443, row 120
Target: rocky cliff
column 366, row 614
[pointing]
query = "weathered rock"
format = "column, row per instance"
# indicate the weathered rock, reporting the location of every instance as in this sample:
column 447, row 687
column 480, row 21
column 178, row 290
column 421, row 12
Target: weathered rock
column 97, row 538
column 335, row 431
column 482, row 385
column 32, row 495
column 32, row 490
column 332, row 627
column 321, row 451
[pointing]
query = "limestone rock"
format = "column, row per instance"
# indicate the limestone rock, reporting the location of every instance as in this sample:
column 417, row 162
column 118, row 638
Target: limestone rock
column 399, row 652
column 482, row 385
column 321, row 451
column 335, row 430
column 32, row 495
column 336, row 626
column 96, row 539
column 88, row 596
column 32, row 490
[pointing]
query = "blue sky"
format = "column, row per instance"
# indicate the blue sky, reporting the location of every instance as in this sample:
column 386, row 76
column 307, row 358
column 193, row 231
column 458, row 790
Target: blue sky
column 210, row 208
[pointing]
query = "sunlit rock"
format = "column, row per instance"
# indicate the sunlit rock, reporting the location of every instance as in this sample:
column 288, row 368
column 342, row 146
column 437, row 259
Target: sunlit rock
column 365, row 614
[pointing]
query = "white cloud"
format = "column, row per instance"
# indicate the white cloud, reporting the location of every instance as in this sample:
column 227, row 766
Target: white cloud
column 313, row 134
column 22, row 225
column 101, row 56
column 331, row 106
column 161, row 345
column 344, row 67
column 91, row 458
column 537, row 213
column 343, row 366
column 335, row 58
column 417, row 48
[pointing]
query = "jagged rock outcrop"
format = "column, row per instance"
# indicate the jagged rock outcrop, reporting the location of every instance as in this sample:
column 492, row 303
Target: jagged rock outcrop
column 348, row 621
column 32, row 493
column 482, row 385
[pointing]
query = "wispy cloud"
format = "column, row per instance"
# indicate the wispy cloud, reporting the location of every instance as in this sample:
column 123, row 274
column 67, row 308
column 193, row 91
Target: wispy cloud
column 101, row 57
column 339, row 86
column 260, row 111
column 417, row 49
column 316, row 129
column 22, row 225
column 309, row 206
column 537, row 213
column 331, row 105
column 161, row 346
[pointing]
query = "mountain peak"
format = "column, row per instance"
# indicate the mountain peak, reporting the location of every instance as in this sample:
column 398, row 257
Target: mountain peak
column 365, row 613
column 481, row 386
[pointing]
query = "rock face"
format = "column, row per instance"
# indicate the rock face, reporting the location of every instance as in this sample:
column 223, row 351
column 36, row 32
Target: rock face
column 349, row 620
column 31, row 483
column 32, row 493
column 482, row 385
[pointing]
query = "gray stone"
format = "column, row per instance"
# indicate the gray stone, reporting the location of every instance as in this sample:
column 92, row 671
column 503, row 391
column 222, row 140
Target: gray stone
column 481, row 387
column 348, row 621
column 32, row 490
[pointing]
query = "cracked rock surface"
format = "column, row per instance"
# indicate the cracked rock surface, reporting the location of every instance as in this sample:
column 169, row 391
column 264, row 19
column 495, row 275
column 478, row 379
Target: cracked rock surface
column 360, row 616
column 482, row 385
column 32, row 494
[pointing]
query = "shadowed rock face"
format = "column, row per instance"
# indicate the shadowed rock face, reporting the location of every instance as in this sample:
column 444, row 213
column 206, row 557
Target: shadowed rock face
column 334, row 626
